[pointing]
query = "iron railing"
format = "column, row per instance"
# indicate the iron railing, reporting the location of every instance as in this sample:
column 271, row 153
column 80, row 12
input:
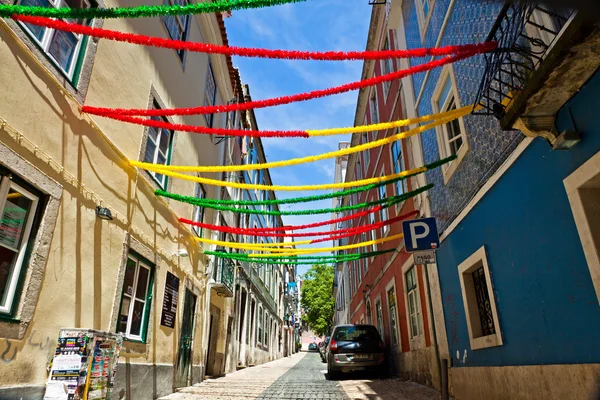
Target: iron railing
column 525, row 33
column 224, row 270
column 251, row 270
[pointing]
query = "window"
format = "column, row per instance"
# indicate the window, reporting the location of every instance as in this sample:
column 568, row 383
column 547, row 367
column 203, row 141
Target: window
column 210, row 93
column 158, row 149
column 355, row 333
column 64, row 49
column 198, row 213
column 177, row 25
column 266, row 342
column 359, row 173
column 387, row 67
column 412, row 294
column 479, row 302
column 373, row 108
column 259, row 332
column 398, row 163
column 383, row 213
column 372, row 231
column 379, row 317
column 136, row 298
column 18, row 225
column 369, row 316
column 583, row 191
column 451, row 136
column 392, row 314
column 366, row 154
column 424, row 8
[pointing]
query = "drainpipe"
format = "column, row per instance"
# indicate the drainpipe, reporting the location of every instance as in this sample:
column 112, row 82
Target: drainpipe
column 441, row 366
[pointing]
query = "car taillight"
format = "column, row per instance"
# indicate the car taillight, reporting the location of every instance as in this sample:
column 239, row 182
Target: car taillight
column 333, row 345
column 381, row 345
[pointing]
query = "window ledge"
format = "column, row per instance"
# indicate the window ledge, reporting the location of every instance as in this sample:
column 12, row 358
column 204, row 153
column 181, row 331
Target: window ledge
column 417, row 342
column 451, row 169
column 484, row 342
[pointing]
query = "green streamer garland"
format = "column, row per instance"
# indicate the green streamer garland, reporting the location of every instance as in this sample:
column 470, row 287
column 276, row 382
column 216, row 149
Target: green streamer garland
column 207, row 202
column 7, row 10
column 387, row 202
column 317, row 259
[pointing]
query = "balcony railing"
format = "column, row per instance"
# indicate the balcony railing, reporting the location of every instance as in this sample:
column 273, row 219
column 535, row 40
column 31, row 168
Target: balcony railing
column 525, row 34
column 223, row 275
column 251, row 270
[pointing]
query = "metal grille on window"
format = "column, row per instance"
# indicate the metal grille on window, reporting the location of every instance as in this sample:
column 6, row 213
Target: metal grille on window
column 483, row 302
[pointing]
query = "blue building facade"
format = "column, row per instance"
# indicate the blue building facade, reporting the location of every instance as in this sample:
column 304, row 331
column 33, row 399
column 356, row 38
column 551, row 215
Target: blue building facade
column 518, row 271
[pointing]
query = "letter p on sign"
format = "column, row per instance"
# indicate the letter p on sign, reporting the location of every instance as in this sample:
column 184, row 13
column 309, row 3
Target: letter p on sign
column 420, row 235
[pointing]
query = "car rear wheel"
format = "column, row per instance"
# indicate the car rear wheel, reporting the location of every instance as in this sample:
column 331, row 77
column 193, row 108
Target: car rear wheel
column 331, row 375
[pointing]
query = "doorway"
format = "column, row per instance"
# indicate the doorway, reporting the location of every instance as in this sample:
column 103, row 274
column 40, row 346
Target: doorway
column 212, row 342
column 184, row 359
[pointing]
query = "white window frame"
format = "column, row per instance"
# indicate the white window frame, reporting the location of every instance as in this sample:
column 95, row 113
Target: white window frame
column 366, row 156
column 182, row 23
column 387, row 67
column 210, row 79
column 374, row 110
column 132, row 299
column 424, row 19
column 372, row 233
column 586, row 177
column 379, row 317
column 442, row 130
column 198, row 211
column 384, row 213
column 48, row 35
column 259, row 327
column 465, row 270
column 417, row 341
column 5, row 185
column 163, row 181
column 392, row 286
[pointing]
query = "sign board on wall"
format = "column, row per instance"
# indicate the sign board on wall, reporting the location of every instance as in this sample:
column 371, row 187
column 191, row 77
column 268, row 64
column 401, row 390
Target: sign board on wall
column 170, row 300
column 424, row 257
column 420, row 235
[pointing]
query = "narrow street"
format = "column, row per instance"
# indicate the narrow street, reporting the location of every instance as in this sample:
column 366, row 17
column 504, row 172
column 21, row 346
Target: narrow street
column 301, row 376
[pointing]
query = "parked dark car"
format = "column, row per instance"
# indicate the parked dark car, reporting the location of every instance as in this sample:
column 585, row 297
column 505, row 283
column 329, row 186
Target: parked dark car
column 323, row 348
column 312, row 347
column 355, row 348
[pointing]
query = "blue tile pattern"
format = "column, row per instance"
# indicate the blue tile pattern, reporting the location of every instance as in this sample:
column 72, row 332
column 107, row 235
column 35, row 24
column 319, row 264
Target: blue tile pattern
column 469, row 22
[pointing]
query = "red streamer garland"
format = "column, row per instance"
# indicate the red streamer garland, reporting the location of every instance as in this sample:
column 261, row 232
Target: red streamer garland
column 366, row 228
column 481, row 48
column 204, row 130
column 251, row 231
column 240, row 51
column 330, row 234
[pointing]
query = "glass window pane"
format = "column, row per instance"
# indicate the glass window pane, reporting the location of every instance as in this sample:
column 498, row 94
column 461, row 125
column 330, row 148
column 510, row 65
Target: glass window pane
column 7, row 262
column 150, row 147
column 37, row 31
column 124, row 317
column 129, row 277
column 165, row 137
column 62, row 48
column 142, row 283
column 161, row 159
column 137, row 317
column 446, row 91
column 14, row 219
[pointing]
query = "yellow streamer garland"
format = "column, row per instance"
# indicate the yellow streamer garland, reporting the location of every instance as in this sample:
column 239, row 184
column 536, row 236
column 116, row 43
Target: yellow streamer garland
column 438, row 119
column 290, row 253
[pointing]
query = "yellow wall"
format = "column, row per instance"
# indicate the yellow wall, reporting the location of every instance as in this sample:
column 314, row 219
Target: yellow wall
column 79, row 284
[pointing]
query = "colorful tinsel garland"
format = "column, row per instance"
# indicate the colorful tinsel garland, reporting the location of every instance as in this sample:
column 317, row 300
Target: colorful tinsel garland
column 245, row 231
column 108, row 112
column 295, row 200
column 303, row 259
column 171, row 170
column 7, row 10
column 211, row 48
column 387, row 202
column 267, row 252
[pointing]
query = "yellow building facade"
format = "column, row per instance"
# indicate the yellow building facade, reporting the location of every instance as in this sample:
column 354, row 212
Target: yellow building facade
column 64, row 265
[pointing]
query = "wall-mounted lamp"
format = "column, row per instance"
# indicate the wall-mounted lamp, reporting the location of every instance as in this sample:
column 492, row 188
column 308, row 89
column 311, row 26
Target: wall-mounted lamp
column 103, row 213
column 182, row 253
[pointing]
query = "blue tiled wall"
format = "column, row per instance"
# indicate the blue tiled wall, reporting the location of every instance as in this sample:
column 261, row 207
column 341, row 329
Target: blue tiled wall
column 469, row 22
column 546, row 302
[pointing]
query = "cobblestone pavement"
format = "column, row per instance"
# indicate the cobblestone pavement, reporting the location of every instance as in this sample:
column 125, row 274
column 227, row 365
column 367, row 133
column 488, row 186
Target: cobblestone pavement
column 301, row 376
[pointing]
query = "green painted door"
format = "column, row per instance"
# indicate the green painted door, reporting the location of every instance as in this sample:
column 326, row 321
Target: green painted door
column 184, row 359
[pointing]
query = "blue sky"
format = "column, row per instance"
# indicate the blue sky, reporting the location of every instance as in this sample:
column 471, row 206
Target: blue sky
column 312, row 25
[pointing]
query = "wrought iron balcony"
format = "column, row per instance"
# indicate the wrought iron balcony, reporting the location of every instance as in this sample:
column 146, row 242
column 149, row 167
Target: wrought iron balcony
column 526, row 34
column 251, row 270
column 223, row 275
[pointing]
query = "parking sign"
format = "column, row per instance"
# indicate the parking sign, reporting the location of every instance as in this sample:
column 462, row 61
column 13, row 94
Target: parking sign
column 420, row 235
